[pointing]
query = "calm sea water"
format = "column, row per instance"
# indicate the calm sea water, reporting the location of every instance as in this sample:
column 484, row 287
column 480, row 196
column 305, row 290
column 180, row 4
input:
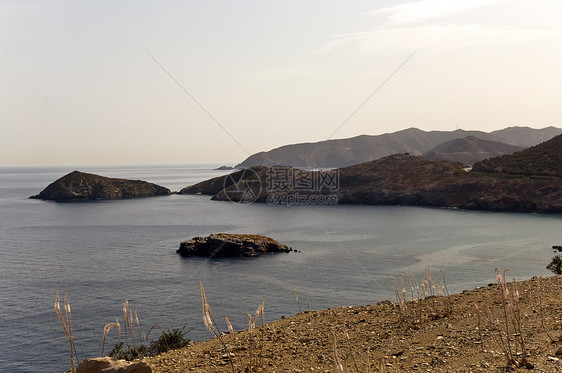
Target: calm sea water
column 105, row 252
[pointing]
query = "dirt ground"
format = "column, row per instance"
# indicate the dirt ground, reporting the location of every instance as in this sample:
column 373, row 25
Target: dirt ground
column 450, row 336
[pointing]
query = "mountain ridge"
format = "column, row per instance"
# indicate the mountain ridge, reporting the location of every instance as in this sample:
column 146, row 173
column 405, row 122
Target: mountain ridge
column 337, row 153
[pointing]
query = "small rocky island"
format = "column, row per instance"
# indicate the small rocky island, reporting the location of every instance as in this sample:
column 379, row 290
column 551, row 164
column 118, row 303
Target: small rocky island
column 81, row 186
column 231, row 245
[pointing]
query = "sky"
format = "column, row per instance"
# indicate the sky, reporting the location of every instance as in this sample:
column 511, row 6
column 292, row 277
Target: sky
column 185, row 82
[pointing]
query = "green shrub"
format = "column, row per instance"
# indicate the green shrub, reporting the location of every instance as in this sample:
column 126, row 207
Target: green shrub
column 129, row 353
column 555, row 265
column 169, row 340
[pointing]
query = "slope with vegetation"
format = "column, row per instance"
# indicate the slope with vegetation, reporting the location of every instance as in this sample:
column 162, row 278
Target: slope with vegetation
column 544, row 159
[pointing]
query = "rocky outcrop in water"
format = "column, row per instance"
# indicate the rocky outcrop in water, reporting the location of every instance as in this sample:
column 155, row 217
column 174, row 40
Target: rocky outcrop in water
column 231, row 245
column 77, row 186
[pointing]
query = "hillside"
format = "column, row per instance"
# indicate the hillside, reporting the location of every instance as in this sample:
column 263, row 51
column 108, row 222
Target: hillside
column 347, row 152
column 544, row 159
column 447, row 334
column 469, row 150
column 401, row 179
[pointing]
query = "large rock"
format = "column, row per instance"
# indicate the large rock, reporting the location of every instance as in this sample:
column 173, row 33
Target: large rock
column 84, row 186
column 111, row 365
column 231, row 245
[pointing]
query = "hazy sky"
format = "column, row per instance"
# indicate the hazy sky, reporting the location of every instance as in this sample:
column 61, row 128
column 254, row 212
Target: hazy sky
column 78, row 84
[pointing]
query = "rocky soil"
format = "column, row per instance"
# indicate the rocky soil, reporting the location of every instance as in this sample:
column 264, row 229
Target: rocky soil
column 450, row 336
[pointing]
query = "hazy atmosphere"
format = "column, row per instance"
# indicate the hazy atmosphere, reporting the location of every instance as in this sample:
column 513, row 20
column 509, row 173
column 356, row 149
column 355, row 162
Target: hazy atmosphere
column 110, row 82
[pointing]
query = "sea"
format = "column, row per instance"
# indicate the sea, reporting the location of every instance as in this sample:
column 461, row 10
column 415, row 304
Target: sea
column 106, row 252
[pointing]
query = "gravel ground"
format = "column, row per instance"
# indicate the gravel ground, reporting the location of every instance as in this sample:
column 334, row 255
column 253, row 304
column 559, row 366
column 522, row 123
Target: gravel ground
column 452, row 336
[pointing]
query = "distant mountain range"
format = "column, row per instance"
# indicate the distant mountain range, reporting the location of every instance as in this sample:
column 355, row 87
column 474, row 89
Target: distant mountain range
column 527, row 181
column 365, row 148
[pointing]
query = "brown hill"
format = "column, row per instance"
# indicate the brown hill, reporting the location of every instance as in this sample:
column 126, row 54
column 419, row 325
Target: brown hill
column 469, row 150
column 401, row 179
column 544, row 159
column 84, row 186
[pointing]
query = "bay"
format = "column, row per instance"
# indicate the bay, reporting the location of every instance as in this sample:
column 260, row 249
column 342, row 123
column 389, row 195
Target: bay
column 105, row 252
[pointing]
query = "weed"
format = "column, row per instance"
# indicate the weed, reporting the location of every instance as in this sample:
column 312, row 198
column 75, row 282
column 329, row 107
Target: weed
column 211, row 324
column 508, row 334
column 255, row 363
column 408, row 287
column 135, row 345
column 297, row 299
column 106, row 330
column 66, row 324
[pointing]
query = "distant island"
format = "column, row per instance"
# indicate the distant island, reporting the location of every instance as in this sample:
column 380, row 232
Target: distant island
column 224, row 168
column 527, row 181
column 80, row 186
column 467, row 147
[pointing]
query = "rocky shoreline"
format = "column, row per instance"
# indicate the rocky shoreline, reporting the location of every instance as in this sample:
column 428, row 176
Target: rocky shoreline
column 399, row 179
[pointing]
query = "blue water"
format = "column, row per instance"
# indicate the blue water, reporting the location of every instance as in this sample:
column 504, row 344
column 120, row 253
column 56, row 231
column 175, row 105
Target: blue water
column 105, row 252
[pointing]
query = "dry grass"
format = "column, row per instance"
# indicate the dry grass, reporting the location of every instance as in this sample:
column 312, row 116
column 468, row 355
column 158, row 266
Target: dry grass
column 66, row 324
column 497, row 328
